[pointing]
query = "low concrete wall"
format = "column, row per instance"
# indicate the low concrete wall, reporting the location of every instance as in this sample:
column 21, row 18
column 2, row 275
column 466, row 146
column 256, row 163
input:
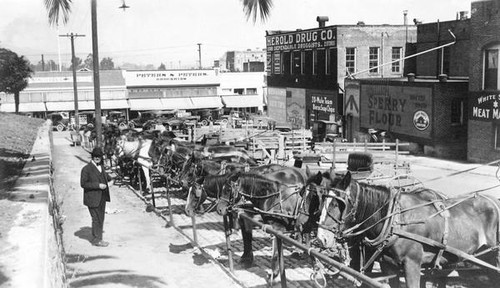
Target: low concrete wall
column 36, row 259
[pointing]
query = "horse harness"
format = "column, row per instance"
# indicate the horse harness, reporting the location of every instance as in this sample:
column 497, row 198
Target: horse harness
column 391, row 230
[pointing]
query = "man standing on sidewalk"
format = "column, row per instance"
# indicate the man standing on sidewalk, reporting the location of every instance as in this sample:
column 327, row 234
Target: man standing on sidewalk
column 94, row 181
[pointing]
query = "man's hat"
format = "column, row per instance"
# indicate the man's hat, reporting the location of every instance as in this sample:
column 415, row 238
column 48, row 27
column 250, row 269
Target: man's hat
column 97, row 152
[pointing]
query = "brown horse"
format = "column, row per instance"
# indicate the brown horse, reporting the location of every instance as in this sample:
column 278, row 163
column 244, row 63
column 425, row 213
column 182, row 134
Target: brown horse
column 413, row 230
column 276, row 196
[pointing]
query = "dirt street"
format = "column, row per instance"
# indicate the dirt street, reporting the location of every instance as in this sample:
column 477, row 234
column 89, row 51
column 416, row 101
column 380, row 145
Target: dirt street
column 142, row 251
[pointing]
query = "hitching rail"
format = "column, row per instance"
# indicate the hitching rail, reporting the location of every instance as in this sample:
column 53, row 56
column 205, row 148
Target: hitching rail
column 345, row 271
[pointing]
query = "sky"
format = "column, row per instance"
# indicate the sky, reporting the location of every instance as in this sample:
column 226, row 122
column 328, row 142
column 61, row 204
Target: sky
column 168, row 31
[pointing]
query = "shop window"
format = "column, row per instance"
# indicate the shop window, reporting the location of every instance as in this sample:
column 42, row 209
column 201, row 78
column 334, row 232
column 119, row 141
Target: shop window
column 396, row 55
column 350, row 60
column 457, row 111
column 252, row 91
column 296, row 63
column 491, row 68
column 239, row 91
column 373, row 59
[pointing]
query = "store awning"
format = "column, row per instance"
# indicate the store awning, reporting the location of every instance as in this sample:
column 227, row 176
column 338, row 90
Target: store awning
column 70, row 106
column 32, row 107
column 114, row 104
column 242, row 101
column 7, row 107
column 177, row 103
column 60, row 106
column 206, row 102
column 145, row 104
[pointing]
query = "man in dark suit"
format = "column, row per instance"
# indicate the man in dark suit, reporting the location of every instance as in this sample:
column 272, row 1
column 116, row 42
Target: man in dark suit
column 94, row 181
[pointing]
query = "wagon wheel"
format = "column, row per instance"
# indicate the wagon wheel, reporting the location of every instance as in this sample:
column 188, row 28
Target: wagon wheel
column 60, row 127
column 204, row 122
column 224, row 121
column 131, row 125
column 405, row 182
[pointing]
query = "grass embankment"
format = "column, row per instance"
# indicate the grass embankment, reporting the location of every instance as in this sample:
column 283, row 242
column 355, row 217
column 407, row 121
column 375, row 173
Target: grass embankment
column 17, row 135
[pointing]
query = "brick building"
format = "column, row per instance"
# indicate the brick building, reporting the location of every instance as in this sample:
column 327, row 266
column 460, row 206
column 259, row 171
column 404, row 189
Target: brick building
column 307, row 68
column 484, row 86
column 427, row 108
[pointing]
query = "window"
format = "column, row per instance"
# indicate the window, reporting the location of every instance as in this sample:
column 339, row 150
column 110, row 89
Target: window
column 315, row 62
column 457, row 111
column 251, row 91
column 373, row 60
column 321, row 62
column 350, row 60
column 396, row 54
column 491, row 69
column 296, row 63
column 303, row 62
column 445, row 69
column 286, row 63
column 497, row 136
column 239, row 91
column 308, row 62
column 328, row 68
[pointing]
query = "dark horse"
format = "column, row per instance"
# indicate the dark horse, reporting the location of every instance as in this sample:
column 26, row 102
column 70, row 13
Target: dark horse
column 211, row 178
column 413, row 230
column 276, row 196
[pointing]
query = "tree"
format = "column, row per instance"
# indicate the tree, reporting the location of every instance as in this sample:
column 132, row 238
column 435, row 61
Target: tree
column 78, row 64
column 162, row 67
column 60, row 9
column 14, row 74
column 89, row 62
column 107, row 64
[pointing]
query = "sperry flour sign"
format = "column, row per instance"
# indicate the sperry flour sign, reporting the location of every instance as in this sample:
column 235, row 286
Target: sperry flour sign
column 171, row 78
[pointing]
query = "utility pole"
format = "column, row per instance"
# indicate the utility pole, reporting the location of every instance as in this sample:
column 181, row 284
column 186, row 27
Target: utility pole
column 73, row 64
column 199, row 53
column 97, row 84
column 405, row 13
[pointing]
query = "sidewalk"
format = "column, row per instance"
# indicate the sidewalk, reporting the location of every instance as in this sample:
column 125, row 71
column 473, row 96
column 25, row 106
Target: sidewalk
column 142, row 252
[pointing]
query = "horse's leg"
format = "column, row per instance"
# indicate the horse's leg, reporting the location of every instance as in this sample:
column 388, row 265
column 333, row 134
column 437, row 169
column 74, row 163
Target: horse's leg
column 147, row 179
column 246, row 259
column 412, row 273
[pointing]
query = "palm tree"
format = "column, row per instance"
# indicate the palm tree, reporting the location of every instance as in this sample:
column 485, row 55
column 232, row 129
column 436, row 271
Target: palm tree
column 60, row 9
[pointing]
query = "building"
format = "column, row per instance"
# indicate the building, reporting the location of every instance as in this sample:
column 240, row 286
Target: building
column 243, row 91
column 307, row 68
column 244, row 61
column 427, row 108
column 53, row 91
column 484, row 82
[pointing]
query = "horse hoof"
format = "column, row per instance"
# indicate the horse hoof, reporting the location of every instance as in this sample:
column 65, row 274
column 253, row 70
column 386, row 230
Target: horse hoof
column 246, row 262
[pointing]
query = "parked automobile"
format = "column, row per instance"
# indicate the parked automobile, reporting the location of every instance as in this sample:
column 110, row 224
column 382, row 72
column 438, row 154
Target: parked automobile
column 60, row 120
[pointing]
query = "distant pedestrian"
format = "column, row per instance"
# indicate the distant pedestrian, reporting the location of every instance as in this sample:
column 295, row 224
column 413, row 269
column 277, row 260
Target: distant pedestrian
column 94, row 181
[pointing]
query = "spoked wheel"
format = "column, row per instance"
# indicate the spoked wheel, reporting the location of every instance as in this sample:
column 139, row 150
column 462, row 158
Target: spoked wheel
column 60, row 127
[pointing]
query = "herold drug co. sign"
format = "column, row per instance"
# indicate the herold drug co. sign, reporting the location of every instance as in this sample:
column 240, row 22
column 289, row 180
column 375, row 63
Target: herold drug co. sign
column 403, row 110
column 484, row 106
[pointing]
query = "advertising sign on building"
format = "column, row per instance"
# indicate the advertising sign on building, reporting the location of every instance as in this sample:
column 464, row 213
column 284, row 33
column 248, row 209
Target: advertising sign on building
column 276, row 105
column 171, row 78
column 296, row 107
column 399, row 109
column 484, row 106
column 303, row 39
column 351, row 98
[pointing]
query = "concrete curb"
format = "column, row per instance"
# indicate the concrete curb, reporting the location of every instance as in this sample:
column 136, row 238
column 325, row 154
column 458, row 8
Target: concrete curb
column 36, row 257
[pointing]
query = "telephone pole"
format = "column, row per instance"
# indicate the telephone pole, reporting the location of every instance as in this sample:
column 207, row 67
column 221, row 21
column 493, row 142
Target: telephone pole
column 73, row 64
column 199, row 53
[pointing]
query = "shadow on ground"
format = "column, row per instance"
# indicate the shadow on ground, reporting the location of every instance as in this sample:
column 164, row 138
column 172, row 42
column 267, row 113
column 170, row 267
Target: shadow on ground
column 117, row 277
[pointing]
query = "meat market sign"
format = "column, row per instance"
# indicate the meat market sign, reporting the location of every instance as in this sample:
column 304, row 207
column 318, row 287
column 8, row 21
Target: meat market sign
column 303, row 39
column 485, row 106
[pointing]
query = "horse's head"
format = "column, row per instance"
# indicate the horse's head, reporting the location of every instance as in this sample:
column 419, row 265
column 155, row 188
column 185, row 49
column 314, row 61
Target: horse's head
column 196, row 197
column 336, row 208
column 229, row 195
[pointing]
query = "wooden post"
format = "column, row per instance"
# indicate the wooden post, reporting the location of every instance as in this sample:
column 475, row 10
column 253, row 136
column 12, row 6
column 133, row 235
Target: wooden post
column 193, row 224
column 396, row 158
column 169, row 203
column 139, row 176
column 152, row 189
column 366, row 145
column 333, row 154
column 281, row 261
column 227, row 232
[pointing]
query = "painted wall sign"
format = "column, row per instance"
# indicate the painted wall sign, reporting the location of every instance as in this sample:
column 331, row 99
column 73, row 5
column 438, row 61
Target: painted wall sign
column 171, row 78
column 394, row 108
column 352, row 99
column 276, row 104
column 303, row 39
column 296, row 107
column 484, row 106
column 62, row 79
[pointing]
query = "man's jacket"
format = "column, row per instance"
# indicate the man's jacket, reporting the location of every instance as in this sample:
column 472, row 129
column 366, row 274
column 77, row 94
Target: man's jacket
column 90, row 178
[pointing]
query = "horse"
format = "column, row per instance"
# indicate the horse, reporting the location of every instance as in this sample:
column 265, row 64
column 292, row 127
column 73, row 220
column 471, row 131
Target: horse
column 210, row 185
column 276, row 196
column 411, row 230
